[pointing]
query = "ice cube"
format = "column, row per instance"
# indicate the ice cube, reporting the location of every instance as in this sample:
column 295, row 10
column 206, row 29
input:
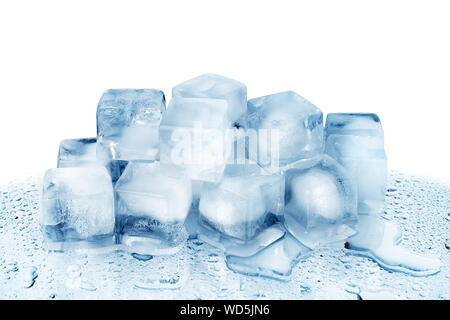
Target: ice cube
column 289, row 128
column 82, row 152
column 151, row 206
column 240, row 204
column 320, row 203
column 77, row 205
column 128, row 124
column 356, row 141
column 274, row 261
column 194, row 135
column 216, row 87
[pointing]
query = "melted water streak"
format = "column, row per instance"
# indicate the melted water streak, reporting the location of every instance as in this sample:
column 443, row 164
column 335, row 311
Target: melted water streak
column 420, row 208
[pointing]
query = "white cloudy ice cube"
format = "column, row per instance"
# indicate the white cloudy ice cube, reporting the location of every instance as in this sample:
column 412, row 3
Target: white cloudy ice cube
column 151, row 206
column 82, row 152
column 239, row 206
column 289, row 128
column 356, row 141
column 128, row 124
column 194, row 136
column 216, row 87
column 320, row 202
column 77, row 204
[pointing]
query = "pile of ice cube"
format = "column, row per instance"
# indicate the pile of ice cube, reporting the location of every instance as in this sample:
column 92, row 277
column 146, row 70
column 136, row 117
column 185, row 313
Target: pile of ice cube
column 259, row 178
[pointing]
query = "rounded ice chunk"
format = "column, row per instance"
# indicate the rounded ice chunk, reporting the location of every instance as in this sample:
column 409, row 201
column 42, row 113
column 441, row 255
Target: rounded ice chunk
column 320, row 202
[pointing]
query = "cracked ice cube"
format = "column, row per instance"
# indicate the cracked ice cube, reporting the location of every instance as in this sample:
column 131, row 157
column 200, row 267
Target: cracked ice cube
column 240, row 205
column 151, row 206
column 288, row 126
column 82, row 152
column 216, row 87
column 77, row 204
column 320, row 202
column 128, row 124
column 356, row 141
column 194, row 136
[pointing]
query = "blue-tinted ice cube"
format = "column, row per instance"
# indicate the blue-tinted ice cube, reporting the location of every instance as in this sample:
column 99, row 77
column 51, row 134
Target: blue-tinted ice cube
column 356, row 141
column 320, row 202
column 216, row 87
column 82, row 152
column 128, row 124
column 77, row 205
column 194, row 136
column 240, row 204
column 151, row 206
column 289, row 128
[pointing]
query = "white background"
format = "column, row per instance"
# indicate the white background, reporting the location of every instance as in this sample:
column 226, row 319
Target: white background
column 389, row 57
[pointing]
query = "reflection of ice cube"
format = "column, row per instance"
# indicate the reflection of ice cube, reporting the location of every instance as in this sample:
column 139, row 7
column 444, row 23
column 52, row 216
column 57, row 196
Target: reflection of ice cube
column 320, row 203
column 128, row 122
column 151, row 206
column 288, row 124
column 356, row 141
column 193, row 136
column 239, row 205
column 274, row 261
column 216, row 87
column 82, row 152
column 77, row 204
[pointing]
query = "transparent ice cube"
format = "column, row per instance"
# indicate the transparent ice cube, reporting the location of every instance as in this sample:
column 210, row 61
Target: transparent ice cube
column 77, row 205
column 216, row 87
column 151, row 206
column 356, row 141
column 274, row 261
column 128, row 124
column 240, row 204
column 289, row 128
column 320, row 203
column 194, row 135
column 82, row 152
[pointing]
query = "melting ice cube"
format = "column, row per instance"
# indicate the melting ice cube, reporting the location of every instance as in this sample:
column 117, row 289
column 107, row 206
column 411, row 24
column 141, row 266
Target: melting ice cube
column 216, row 87
column 151, row 206
column 77, row 204
column 380, row 240
column 356, row 141
column 274, row 261
column 128, row 123
column 320, row 203
column 240, row 204
column 289, row 128
column 194, row 136
column 82, row 152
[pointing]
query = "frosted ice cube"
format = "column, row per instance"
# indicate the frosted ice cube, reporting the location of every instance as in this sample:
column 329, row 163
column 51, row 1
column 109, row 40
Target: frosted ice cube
column 320, row 203
column 77, row 204
column 194, row 136
column 216, row 87
column 151, row 206
column 356, row 141
column 82, row 152
column 239, row 205
column 128, row 124
column 289, row 128
column 274, row 261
